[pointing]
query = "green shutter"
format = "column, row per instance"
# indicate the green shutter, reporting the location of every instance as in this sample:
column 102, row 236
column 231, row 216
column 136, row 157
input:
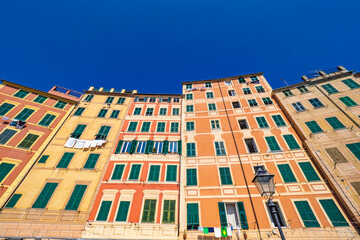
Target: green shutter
column 190, row 150
column 154, row 173
column 76, row 197
column 355, row 149
column 169, row 211
column 102, row 113
column 290, row 140
column 192, row 216
column 220, row 149
column 24, row 114
column 135, row 171
column 329, row 88
column 14, row 199
column 6, row 135
column 149, row 211
column 225, row 176
column 28, row 141
column 5, row 169
column 165, row 149
column 103, row 132
column 43, row 158
column 191, row 178
column 45, row 195
column 333, row 213
column 118, row 171
column 133, row 146
column 161, row 127
column 91, row 161
column 309, row 171
column 286, row 173
column 279, row 121
column 109, row 100
column 242, row 214
column 5, row 108
column 132, row 127
column 314, row 127
column 351, row 83
column 335, row 123
column 149, row 146
column 306, row 214
column 65, row 160
column 79, row 111
column 118, row 147
column 348, row 101
column 40, row 99
column 123, row 211
column 174, row 127
column 145, row 127
column 121, row 100
column 273, row 145
column 222, row 213
column 78, row 131
column 46, row 121
column 60, row 104
column 179, row 147
column 104, row 211
column 114, row 113
column 171, row 173
column 21, row 94
column 88, row 98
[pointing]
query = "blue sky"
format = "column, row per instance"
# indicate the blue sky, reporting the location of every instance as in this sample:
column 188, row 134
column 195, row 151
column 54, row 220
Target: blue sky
column 154, row 45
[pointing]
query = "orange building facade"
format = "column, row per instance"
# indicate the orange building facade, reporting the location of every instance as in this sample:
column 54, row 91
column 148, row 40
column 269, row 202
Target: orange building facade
column 233, row 128
column 138, row 195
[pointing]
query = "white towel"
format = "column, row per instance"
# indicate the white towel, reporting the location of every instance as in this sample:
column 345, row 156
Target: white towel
column 79, row 144
column 70, row 142
column 201, row 229
column 87, row 144
column 228, row 229
column 93, row 144
column 217, row 231
column 100, row 142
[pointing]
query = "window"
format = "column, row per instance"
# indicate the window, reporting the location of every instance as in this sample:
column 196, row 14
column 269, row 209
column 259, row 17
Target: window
column 132, row 126
column 252, row 103
column 45, row 195
column 160, row 127
column 309, row 171
column 140, row 99
column 76, row 197
column 299, row 107
column 254, row 79
column 335, row 123
column 118, row 172
column 47, row 120
column 175, row 112
column 176, row 100
column 5, row 169
column 272, row 143
column 169, row 211
column 115, row 114
column 229, row 216
column 291, row 142
column 40, row 99
column 135, row 172
column 251, row 146
column 149, row 146
column 174, row 127
column 220, row 148
column 104, row 211
column 232, row 93
column 89, row 98
column 189, row 108
column 78, row 131
column 43, row 159
column 192, row 216
column 286, row 173
column 154, row 173
column 279, row 216
column 306, row 214
column 209, row 95
column 246, row 90
column 79, row 111
column 14, row 199
column 215, row 124
column 60, row 104
column 149, row 112
column 212, row 107
column 260, row 89
column 102, row 113
column 163, row 111
column 348, row 101
column 91, row 161
column 6, row 135
column 123, row 211
column 21, row 94
column 243, row 124
column 24, row 114
column 149, row 211
column 316, row 103
column 351, row 83
column 267, row 101
column 208, row 84
column 121, row 100
column 191, row 178
column 28, row 141
column 314, row 127
column 190, row 126
column 158, row 147
column 5, row 108
column 65, row 160
column 288, row 93
column 355, row 149
column 190, row 150
column 137, row 111
column 279, row 121
column 241, row 80
column 171, row 173
column 109, row 100
column 141, row 147
column 145, row 127
column 227, row 83
column 173, row 147
column 126, row 145
column 336, row 155
column 329, row 88
column 152, row 100
column 103, row 132
column 333, row 213
column 225, row 176
column 189, row 86
column 236, row 104
column 262, row 122
column 303, row 89
column 189, row 96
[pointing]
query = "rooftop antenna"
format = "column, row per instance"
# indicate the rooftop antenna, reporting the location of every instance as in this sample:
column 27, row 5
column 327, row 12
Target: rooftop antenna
column 284, row 81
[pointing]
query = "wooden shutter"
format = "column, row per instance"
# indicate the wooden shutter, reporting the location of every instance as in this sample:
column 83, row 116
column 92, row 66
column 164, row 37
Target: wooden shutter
column 192, row 216
column 118, row 171
column 290, row 140
column 133, row 146
column 333, row 213
column 336, row 155
column 306, row 214
column 355, row 149
column 45, row 195
column 242, row 215
column 5, row 169
column 123, row 211
column 104, row 211
column 65, row 160
column 165, row 149
column 43, row 158
column 286, row 173
column 169, row 211
column 118, row 147
column 222, row 213
column 171, row 173
column 6, row 135
column 309, row 171
column 154, row 173
column 91, row 161
column 225, row 176
column 76, row 197
column 135, row 171
column 149, row 210
column 191, row 178
column 14, row 199
column 273, row 145
column 179, row 147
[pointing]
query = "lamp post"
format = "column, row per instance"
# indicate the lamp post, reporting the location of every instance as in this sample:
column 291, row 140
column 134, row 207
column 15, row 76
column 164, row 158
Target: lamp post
column 264, row 182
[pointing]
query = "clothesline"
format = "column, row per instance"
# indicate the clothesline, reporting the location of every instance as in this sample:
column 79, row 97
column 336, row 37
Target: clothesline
column 80, row 144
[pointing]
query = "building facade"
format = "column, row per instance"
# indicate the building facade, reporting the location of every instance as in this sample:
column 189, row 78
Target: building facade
column 232, row 129
column 55, row 198
column 325, row 110
column 139, row 192
column 29, row 119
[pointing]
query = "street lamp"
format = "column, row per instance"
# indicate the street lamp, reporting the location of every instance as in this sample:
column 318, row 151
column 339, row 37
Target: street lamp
column 264, row 182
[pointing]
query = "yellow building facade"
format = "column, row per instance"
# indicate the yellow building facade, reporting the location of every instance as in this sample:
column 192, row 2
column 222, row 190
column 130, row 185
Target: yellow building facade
column 56, row 197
